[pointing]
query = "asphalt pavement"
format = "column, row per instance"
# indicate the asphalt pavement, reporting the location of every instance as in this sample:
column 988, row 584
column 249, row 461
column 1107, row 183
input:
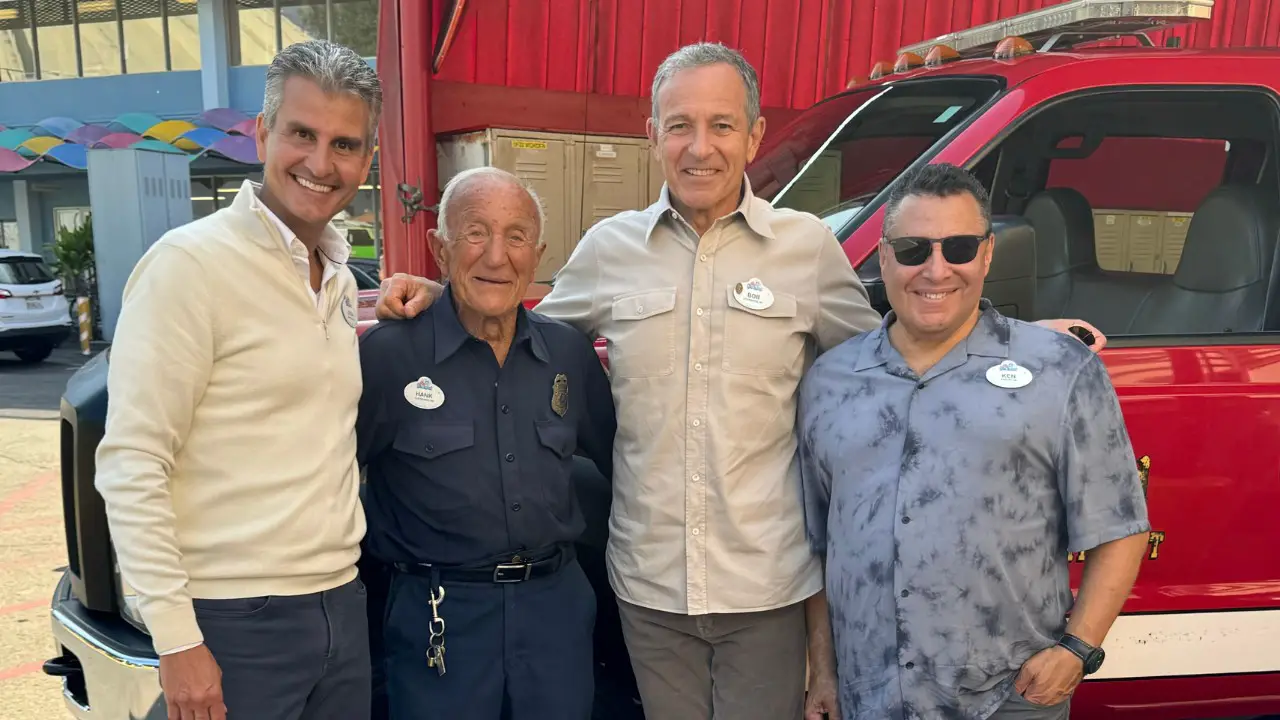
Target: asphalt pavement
column 32, row 542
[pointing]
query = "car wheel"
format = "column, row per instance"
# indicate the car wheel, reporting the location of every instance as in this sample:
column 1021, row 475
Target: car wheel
column 34, row 354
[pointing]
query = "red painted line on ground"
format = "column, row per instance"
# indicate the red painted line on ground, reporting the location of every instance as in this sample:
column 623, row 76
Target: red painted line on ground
column 20, row 670
column 29, row 605
column 26, row 492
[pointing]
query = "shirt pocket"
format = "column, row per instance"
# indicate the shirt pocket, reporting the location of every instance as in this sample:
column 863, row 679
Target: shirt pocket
column 440, row 454
column 643, row 342
column 557, row 441
column 762, row 342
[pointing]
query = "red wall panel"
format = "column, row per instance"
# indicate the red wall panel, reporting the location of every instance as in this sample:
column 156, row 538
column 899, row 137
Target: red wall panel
column 803, row 50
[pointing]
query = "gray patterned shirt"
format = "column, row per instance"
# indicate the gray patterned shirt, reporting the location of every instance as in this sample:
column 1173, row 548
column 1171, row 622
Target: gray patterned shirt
column 946, row 505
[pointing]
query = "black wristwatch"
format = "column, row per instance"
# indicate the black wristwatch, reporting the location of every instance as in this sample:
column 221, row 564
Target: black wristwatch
column 1091, row 656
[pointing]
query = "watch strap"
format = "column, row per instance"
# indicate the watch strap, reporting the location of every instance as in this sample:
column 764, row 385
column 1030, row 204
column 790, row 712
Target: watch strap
column 1078, row 647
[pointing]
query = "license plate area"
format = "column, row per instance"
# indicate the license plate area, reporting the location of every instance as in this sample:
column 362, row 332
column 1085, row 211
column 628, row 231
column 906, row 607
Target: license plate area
column 34, row 303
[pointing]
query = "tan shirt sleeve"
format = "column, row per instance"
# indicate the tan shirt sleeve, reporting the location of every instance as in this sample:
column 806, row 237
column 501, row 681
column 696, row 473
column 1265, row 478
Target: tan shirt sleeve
column 573, row 297
column 844, row 308
column 159, row 365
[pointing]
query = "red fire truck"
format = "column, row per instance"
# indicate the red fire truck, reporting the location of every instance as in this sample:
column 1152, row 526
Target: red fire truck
column 1134, row 186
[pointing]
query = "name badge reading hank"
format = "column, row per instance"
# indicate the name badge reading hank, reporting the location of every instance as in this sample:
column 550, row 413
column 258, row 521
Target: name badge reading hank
column 424, row 394
column 1008, row 374
column 753, row 294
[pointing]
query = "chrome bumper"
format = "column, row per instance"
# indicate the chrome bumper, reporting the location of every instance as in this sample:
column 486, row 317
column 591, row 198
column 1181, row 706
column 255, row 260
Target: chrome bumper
column 108, row 668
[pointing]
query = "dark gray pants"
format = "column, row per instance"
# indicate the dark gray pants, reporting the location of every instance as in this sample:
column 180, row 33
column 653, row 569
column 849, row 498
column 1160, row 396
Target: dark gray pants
column 301, row 657
column 1020, row 708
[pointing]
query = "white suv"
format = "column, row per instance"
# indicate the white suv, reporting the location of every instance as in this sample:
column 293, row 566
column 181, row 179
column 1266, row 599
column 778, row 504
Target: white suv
column 34, row 317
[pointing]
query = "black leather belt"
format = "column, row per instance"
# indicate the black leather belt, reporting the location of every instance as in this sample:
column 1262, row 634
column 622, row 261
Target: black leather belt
column 513, row 568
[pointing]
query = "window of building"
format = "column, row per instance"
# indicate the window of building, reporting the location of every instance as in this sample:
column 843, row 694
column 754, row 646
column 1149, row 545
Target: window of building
column 263, row 27
column 51, row 39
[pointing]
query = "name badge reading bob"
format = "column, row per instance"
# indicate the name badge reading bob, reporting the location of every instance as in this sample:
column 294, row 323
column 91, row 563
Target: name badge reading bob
column 1009, row 374
column 424, row 394
column 753, row 294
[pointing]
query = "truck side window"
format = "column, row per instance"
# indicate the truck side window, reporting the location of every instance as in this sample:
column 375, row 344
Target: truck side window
column 1155, row 212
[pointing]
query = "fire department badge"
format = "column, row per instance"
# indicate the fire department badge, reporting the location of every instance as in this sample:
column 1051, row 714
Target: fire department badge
column 560, row 394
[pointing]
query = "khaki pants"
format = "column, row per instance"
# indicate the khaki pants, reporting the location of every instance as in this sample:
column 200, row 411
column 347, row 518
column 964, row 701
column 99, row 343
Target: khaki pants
column 728, row 666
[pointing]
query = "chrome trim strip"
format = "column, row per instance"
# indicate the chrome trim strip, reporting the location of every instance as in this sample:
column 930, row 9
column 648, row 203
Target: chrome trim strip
column 80, row 632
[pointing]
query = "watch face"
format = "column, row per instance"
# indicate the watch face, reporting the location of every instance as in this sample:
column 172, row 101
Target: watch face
column 1094, row 662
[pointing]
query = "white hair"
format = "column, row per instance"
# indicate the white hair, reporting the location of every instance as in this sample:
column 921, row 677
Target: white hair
column 456, row 183
column 704, row 54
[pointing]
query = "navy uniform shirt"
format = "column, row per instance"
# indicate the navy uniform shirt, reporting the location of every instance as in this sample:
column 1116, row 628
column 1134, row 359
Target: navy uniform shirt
column 946, row 504
column 480, row 466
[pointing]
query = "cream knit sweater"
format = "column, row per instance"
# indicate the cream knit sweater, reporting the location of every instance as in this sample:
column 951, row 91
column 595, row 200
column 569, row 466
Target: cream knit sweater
column 228, row 463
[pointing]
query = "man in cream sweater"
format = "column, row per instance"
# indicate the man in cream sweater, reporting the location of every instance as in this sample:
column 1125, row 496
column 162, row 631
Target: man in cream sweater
column 228, row 464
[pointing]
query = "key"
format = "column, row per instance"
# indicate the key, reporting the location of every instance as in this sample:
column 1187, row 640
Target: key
column 435, row 657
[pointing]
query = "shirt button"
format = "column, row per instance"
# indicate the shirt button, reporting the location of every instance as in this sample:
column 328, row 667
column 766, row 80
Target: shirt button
column 919, row 386
column 511, row 457
column 905, row 519
column 703, row 257
column 696, row 477
column 639, row 308
column 699, row 312
column 430, row 447
column 906, row 593
column 697, row 366
column 695, row 531
column 515, row 507
column 696, row 422
column 909, row 665
column 506, row 410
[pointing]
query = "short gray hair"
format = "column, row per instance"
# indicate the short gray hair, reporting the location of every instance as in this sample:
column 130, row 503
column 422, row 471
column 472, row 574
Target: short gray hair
column 455, row 186
column 334, row 67
column 701, row 55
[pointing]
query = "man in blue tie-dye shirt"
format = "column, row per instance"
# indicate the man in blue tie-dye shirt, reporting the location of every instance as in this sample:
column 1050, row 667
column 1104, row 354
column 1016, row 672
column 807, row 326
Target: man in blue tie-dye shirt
column 950, row 460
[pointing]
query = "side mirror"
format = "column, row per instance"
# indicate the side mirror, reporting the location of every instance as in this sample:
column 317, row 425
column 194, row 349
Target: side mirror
column 869, row 274
column 1011, row 280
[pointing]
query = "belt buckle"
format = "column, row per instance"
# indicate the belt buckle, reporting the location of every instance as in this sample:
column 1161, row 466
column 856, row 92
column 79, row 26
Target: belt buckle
column 501, row 573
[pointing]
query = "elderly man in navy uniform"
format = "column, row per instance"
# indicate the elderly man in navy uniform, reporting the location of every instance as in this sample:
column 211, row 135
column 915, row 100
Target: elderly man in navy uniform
column 470, row 417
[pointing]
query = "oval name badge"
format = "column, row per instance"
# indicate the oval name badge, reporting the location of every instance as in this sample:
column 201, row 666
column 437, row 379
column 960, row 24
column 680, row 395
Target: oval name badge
column 1009, row 374
column 349, row 311
column 424, row 394
column 753, row 294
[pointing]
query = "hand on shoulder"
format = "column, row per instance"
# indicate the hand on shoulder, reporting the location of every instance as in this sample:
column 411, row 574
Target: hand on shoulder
column 403, row 296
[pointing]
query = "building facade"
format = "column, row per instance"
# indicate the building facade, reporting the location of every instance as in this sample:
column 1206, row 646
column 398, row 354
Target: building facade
column 179, row 76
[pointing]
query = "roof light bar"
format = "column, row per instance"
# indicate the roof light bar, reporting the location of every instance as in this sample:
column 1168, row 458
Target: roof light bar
column 880, row 69
column 939, row 54
column 1070, row 23
column 907, row 62
column 1012, row 47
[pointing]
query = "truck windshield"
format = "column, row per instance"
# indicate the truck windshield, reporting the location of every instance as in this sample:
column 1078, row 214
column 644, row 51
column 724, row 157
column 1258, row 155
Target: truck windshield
column 841, row 153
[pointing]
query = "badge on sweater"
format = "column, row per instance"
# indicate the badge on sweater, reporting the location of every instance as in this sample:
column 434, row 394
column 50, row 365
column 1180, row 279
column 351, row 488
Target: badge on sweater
column 560, row 394
column 1008, row 374
column 348, row 311
column 753, row 294
column 424, row 394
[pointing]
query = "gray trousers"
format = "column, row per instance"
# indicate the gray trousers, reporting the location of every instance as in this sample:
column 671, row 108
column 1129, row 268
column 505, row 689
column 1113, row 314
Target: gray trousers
column 303, row 657
column 1020, row 708
column 727, row 666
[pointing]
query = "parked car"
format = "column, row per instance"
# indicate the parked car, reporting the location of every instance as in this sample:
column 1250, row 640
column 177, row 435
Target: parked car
column 34, row 316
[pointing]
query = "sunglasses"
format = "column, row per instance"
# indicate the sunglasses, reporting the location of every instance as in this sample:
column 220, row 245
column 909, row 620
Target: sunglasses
column 957, row 249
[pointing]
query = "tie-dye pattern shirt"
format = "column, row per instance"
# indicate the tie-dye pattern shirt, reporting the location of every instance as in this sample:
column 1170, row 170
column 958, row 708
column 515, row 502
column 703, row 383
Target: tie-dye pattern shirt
column 946, row 506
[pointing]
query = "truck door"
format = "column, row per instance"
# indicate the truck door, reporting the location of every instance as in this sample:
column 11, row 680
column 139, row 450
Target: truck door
column 1156, row 211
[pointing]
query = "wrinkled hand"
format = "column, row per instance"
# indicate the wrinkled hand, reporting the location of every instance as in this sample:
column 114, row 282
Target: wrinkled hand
column 403, row 296
column 192, row 685
column 1050, row 676
column 1062, row 326
column 822, row 697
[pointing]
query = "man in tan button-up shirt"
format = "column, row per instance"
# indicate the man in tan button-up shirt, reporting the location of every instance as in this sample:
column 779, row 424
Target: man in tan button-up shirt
column 714, row 303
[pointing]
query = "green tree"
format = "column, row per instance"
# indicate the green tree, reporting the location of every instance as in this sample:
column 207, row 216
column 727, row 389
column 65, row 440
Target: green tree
column 73, row 261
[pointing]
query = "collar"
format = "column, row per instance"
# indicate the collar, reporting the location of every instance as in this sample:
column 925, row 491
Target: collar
column 752, row 209
column 332, row 245
column 450, row 335
column 988, row 338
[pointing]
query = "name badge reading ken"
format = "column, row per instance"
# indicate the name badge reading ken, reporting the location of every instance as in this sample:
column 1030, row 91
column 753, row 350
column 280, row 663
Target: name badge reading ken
column 753, row 294
column 1009, row 374
column 424, row 394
